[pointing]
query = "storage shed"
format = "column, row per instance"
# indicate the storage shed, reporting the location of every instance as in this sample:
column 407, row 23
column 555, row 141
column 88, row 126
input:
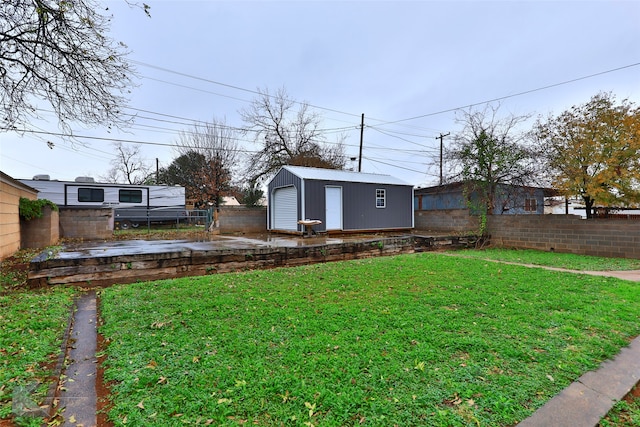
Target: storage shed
column 341, row 200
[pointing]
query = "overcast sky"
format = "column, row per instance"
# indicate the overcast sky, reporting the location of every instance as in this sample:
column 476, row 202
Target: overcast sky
column 413, row 63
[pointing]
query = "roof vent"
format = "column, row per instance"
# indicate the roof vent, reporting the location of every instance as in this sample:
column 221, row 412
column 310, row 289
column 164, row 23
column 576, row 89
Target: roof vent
column 85, row 179
column 41, row 178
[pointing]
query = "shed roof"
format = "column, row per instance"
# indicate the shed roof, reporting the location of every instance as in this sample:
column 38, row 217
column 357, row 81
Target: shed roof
column 342, row 175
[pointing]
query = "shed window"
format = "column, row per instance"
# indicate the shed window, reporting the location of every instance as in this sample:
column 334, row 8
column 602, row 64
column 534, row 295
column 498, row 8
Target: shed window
column 90, row 195
column 381, row 198
column 130, row 196
column 530, row 205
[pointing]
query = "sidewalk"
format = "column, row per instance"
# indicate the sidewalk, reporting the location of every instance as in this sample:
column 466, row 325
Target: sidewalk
column 590, row 398
column 78, row 398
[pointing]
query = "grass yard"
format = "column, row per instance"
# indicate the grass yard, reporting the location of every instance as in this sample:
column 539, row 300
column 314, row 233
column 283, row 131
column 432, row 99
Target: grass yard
column 554, row 259
column 422, row 339
column 32, row 324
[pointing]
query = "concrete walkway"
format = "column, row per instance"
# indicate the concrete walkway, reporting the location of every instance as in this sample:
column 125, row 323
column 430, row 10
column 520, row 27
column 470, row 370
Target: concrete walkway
column 632, row 275
column 590, row 398
column 78, row 398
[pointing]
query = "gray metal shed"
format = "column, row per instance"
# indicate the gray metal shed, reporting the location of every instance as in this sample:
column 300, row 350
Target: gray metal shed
column 342, row 200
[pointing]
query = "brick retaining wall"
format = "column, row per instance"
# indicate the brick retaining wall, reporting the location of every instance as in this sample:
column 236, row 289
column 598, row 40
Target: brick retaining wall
column 567, row 233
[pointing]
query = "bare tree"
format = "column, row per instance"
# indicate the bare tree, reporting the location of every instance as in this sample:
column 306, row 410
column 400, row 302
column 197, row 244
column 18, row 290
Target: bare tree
column 128, row 166
column 490, row 152
column 287, row 137
column 58, row 51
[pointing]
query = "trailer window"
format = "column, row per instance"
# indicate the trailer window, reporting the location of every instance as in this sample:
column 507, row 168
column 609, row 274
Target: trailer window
column 90, row 195
column 130, row 196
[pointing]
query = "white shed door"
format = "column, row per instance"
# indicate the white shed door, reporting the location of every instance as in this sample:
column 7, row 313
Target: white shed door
column 333, row 203
column 285, row 209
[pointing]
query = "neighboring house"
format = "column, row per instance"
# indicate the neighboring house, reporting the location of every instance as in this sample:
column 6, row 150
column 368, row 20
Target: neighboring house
column 341, row 200
column 10, row 192
column 509, row 200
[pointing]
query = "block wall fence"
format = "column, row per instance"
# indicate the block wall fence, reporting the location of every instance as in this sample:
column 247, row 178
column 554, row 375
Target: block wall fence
column 40, row 232
column 235, row 219
column 446, row 220
column 567, row 233
column 80, row 223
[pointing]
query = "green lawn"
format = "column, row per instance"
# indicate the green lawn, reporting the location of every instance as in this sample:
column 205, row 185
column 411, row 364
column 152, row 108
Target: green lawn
column 554, row 259
column 624, row 413
column 32, row 324
column 421, row 339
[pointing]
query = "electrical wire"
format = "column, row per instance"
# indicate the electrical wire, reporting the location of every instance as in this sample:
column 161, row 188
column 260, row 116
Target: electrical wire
column 515, row 94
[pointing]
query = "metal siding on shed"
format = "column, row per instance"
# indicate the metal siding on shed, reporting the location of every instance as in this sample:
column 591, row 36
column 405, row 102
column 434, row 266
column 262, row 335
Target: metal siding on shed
column 359, row 199
column 359, row 205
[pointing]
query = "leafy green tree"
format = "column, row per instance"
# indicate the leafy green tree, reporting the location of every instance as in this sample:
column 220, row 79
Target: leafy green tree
column 593, row 151
column 251, row 194
column 490, row 153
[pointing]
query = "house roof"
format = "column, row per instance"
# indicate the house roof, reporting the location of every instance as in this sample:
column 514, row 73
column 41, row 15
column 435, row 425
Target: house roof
column 458, row 186
column 14, row 182
column 342, row 175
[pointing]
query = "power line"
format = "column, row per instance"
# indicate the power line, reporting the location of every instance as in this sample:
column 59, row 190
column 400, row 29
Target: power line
column 515, row 94
column 397, row 137
column 255, row 92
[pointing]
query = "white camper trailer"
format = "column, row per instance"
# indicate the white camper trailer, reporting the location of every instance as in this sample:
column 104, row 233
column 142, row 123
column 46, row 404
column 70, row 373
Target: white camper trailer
column 133, row 204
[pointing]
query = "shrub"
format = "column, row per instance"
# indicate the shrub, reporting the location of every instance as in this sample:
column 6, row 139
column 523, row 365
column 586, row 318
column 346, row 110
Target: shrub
column 30, row 209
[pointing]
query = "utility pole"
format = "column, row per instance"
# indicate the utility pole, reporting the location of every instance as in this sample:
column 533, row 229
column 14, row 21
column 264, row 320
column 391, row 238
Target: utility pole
column 361, row 138
column 441, row 137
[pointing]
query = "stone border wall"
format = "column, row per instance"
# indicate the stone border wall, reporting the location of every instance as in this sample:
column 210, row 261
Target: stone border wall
column 567, row 233
column 108, row 270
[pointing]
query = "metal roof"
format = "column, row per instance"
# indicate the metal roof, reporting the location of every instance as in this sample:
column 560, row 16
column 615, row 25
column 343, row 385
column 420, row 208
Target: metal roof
column 342, row 175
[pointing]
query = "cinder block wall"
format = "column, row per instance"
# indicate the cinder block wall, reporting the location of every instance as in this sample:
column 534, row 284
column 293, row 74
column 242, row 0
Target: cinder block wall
column 89, row 224
column 236, row 219
column 457, row 220
column 40, row 232
column 567, row 233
